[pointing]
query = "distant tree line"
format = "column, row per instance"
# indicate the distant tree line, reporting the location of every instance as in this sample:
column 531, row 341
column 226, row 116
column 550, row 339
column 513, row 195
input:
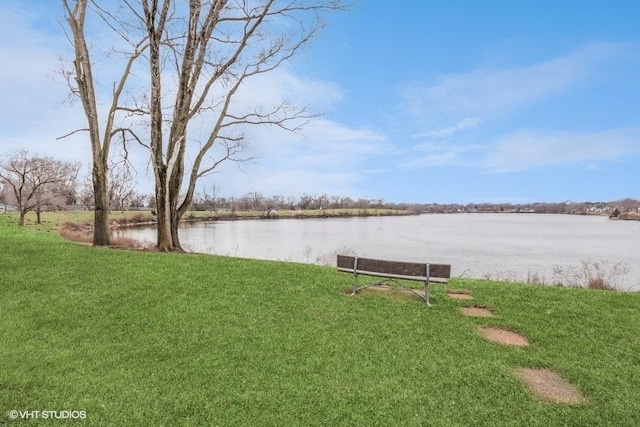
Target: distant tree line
column 34, row 183
column 567, row 207
column 209, row 200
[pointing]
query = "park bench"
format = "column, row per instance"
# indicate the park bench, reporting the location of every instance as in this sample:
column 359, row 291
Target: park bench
column 427, row 273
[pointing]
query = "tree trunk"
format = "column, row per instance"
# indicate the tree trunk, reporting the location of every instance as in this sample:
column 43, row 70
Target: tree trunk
column 175, row 184
column 22, row 214
column 174, row 234
column 210, row 72
column 38, row 216
column 175, row 221
column 155, row 21
column 164, row 241
column 101, row 235
column 167, row 216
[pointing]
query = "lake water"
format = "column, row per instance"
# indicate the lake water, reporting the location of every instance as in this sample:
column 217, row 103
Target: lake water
column 497, row 246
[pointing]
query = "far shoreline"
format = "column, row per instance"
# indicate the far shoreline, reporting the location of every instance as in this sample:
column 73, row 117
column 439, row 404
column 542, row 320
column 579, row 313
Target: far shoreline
column 145, row 218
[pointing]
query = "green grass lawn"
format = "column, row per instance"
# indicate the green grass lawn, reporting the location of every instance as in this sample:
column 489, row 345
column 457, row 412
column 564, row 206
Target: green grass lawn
column 141, row 338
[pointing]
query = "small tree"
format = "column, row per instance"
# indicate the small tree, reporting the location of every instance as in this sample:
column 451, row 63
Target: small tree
column 207, row 199
column 60, row 193
column 137, row 200
column 86, row 194
column 121, row 188
column 35, row 182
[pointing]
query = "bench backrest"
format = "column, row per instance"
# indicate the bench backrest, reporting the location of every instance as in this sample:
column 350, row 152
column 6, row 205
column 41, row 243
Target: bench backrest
column 406, row 270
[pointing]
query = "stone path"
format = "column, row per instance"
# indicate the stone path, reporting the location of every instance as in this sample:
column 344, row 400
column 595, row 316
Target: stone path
column 550, row 386
column 459, row 294
column 503, row 336
column 476, row 311
column 544, row 383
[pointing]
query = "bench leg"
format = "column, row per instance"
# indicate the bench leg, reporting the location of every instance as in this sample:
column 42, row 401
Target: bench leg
column 355, row 283
column 355, row 276
column 426, row 293
column 426, row 285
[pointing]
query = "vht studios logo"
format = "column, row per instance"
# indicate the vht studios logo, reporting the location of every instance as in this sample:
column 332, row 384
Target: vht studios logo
column 52, row 415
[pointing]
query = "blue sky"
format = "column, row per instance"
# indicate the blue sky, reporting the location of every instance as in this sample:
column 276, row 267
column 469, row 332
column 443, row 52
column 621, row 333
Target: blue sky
column 439, row 101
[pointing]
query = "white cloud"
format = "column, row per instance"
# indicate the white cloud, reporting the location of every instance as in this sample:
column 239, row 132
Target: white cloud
column 441, row 154
column 326, row 143
column 327, row 157
column 529, row 149
column 282, row 84
column 463, row 101
column 535, row 149
column 462, row 125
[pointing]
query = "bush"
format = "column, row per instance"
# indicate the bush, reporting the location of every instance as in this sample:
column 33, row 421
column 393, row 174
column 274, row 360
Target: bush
column 592, row 275
column 77, row 232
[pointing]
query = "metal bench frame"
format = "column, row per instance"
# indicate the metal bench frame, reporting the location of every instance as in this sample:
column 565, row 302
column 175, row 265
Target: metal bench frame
column 427, row 273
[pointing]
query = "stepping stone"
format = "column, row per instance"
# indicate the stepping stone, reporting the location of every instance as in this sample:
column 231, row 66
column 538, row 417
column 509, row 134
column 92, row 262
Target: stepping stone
column 476, row 311
column 503, row 336
column 550, row 386
column 459, row 294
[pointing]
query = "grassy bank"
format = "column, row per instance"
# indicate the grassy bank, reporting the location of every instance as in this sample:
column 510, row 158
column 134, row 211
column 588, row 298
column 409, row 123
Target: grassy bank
column 139, row 338
column 124, row 217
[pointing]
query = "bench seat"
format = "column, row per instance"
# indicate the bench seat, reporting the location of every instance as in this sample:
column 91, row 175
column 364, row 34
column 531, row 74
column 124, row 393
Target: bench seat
column 423, row 272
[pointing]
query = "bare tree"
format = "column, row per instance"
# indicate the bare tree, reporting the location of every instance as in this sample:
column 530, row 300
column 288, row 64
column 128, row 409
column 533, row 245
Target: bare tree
column 200, row 55
column 35, row 182
column 256, row 200
column 121, row 187
column 137, row 200
column 291, row 202
column 86, row 197
column 59, row 194
column 82, row 84
column 207, row 199
column 214, row 48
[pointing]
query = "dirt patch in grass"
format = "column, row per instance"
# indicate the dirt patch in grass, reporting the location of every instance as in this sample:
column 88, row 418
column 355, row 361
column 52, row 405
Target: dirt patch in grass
column 459, row 294
column 477, row 311
column 503, row 336
column 387, row 289
column 550, row 386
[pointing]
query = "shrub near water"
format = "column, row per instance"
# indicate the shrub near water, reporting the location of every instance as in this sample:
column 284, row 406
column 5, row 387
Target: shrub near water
column 603, row 275
column 76, row 232
column 593, row 275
